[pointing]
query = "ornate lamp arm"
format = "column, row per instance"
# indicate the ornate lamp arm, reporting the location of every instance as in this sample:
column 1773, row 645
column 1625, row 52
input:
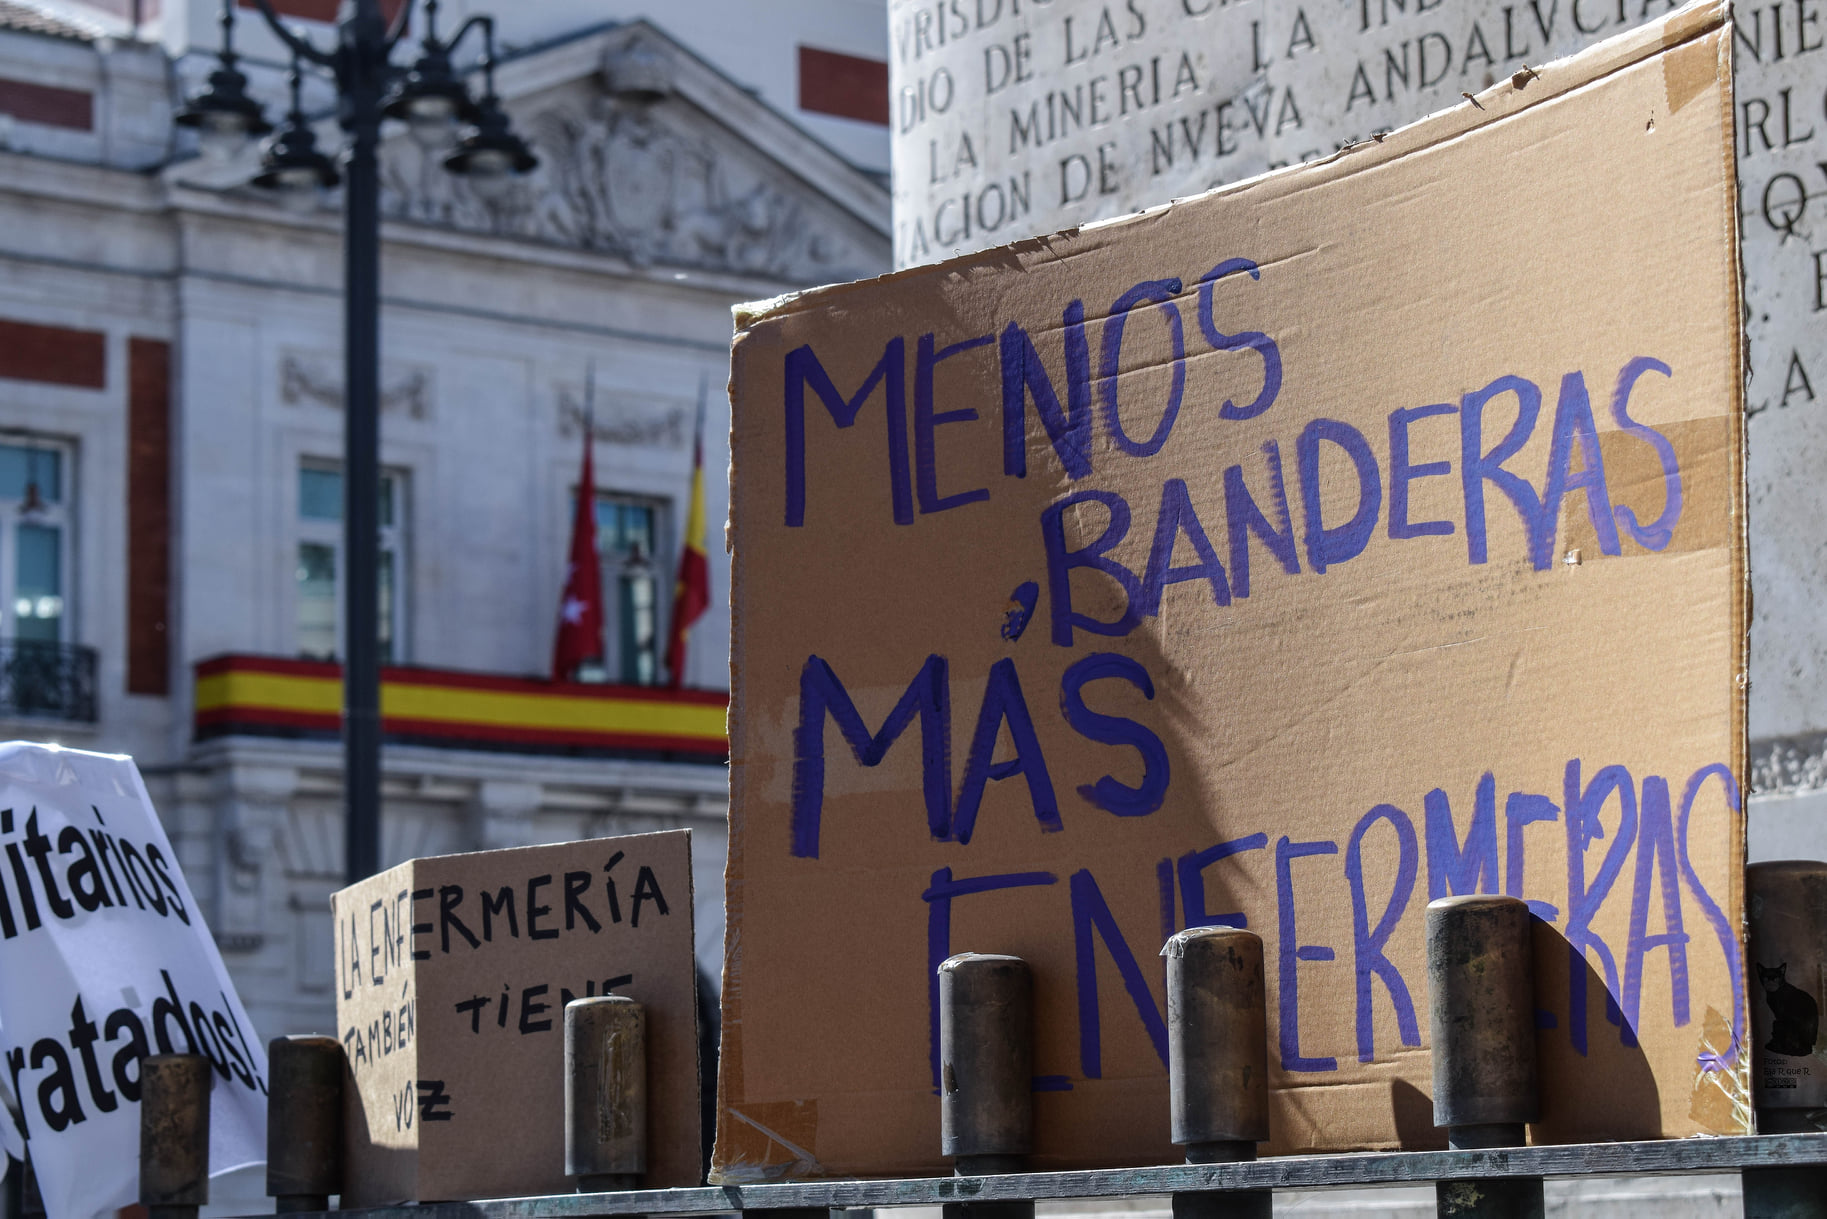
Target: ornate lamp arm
column 483, row 20
column 486, row 24
column 299, row 46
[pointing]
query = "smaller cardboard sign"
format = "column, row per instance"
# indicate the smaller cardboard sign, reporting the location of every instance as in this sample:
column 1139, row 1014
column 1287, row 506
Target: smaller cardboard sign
column 452, row 977
column 105, row 959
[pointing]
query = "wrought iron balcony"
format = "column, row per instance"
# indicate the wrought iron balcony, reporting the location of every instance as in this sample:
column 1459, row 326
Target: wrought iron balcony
column 49, row 680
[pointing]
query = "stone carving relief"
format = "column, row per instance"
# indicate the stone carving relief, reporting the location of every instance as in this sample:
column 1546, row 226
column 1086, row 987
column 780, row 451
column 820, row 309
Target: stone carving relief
column 1785, row 766
column 633, row 180
column 317, row 377
column 621, row 422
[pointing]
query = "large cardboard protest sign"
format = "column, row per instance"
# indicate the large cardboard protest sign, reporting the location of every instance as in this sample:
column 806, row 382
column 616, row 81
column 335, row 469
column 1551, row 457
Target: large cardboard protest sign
column 1291, row 556
column 104, row 959
column 452, row 977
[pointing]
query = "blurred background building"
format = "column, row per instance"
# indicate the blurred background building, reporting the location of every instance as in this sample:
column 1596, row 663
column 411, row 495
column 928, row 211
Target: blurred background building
column 171, row 433
column 171, row 428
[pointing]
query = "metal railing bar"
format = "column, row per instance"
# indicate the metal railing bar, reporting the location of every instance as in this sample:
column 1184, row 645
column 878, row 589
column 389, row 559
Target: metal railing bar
column 1672, row 1157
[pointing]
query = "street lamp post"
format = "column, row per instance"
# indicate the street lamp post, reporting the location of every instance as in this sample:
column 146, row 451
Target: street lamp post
column 434, row 102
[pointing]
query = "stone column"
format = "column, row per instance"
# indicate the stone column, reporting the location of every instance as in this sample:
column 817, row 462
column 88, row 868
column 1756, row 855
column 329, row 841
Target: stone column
column 501, row 813
column 251, row 807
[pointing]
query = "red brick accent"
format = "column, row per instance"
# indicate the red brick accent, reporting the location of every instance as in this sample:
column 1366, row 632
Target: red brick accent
column 53, row 354
column 47, row 104
column 319, row 10
column 847, row 86
column 148, row 516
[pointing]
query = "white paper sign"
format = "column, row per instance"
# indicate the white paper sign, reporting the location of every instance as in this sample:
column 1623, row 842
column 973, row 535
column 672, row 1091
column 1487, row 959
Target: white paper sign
column 104, row 959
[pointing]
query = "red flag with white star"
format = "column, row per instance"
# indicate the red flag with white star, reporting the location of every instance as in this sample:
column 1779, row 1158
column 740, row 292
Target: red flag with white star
column 580, row 608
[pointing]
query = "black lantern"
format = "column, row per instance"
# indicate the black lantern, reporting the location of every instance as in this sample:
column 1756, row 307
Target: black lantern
column 429, row 98
column 290, row 163
column 224, row 117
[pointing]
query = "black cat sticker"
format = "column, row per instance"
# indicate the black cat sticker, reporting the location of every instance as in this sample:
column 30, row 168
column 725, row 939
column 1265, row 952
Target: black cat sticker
column 1795, row 1017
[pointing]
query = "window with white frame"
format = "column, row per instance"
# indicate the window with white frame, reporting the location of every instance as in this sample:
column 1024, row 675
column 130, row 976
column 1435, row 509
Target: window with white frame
column 629, row 531
column 320, row 563
column 35, row 539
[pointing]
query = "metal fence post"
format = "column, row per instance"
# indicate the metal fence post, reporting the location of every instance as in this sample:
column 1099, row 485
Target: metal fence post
column 31, row 1202
column 174, row 1134
column 304, row 1123
column 605, row 1093
column 1787, row 904
column 1481, row 999
column 1218, row 1060
column 986, row 1072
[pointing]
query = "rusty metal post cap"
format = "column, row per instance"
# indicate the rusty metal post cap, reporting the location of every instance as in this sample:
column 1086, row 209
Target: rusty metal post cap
column 174, row 1130
column 986, row 1056
column 304, row 1118
column 1217, row 1036
column 1481, row 1000
column 605, row 1092
column 977, row 962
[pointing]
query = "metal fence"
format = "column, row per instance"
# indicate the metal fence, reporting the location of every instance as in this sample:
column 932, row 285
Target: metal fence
column 1484, row 1094
column 48, row 680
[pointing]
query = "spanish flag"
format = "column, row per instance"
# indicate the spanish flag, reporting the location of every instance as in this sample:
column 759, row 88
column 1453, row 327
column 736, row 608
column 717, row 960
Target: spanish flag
column 691, row 595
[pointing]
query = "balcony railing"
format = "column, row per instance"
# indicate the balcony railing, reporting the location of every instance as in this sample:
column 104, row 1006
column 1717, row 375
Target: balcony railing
column 47, row 680
column 272, row 696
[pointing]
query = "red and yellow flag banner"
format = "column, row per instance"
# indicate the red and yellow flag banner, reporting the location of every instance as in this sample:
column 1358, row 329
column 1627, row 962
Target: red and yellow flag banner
column 271, row 696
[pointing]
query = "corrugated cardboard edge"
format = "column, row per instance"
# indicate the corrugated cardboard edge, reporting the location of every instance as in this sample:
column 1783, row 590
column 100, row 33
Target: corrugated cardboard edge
column 372, row 1176
column 757, row 1151
column 1722, row 1075
column 746, row 1151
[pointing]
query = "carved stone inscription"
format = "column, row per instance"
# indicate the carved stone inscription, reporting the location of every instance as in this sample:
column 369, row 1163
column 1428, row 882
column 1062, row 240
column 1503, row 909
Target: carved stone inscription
column 1017, row 117
column 1781, row 92
column 1014, row 117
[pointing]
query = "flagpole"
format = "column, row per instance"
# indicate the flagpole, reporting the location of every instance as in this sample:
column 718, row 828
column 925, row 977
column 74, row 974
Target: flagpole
column 691, row 590
column 697, row 455
column 590, row 403
column 580, row 609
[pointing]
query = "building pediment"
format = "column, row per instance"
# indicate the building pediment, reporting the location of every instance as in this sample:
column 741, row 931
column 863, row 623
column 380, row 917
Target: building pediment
column 705, row 178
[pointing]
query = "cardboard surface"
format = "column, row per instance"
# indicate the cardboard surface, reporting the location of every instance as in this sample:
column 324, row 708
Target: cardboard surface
column 1102, row 585
column 452, row 976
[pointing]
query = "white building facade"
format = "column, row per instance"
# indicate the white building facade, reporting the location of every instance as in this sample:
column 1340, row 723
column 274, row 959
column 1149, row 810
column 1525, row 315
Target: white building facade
column 171, row 436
